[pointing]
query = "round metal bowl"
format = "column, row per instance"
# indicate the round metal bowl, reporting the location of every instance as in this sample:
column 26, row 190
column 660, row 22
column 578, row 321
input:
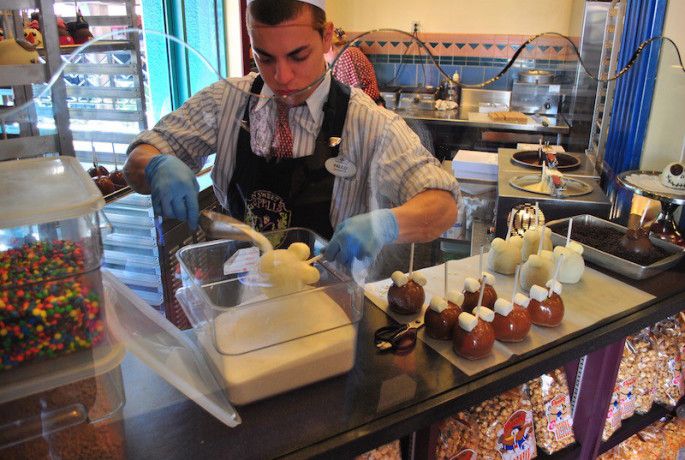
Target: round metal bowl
column 529, row 158
column 532, row 183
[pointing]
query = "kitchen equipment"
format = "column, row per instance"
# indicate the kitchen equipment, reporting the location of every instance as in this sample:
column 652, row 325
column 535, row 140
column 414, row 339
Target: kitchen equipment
column 534, row 92
column 595, row 203
column 50, row 258
column 612, row 262
column 535, row 76
column 530, row 159
column 532, row 183
column 259, row 345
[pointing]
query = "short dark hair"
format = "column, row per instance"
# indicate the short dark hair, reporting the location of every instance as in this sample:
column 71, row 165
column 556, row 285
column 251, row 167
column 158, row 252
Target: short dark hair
column 274, row 12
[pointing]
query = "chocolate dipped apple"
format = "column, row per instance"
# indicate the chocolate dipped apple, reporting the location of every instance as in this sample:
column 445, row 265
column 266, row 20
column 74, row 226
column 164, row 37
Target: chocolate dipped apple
column 474, row 336
column 472, row 292
column 512, row 322
column 406, row 294
column 440, row 319
column 546, row 308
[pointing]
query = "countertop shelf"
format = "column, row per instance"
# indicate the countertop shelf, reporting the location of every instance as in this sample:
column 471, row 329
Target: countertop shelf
column 382, row 399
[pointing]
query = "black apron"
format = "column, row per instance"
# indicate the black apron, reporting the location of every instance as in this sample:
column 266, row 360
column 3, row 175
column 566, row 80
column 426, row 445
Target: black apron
column 274, row 194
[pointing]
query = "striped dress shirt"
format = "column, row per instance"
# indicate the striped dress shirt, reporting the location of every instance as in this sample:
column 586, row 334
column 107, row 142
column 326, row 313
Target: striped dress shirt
column 391, row 164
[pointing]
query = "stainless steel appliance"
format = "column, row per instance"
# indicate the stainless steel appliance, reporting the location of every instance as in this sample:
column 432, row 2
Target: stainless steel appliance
column 535, row 93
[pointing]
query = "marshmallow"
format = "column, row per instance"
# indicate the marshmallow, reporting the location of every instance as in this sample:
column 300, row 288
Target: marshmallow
column 484, row 313
column 455, row 297
column 521, row 299
column 467, row 321
column 438, row 304
column 399, row 278
column 503, row 306
column 575, row 247
column 471, row 284
column 419, row 278
column 538, row 293
column 301, row 250
column 556, row 288
column 489, row 278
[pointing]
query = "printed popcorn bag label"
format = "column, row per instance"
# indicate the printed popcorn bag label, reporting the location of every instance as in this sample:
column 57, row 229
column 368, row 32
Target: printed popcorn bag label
column 516, row 440
column 627, row 397
column 559, row 420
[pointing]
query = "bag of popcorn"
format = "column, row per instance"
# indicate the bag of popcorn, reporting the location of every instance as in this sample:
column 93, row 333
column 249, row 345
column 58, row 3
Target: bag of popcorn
column 549, row 396
column 613, row 420
column 646, row 358
column 669, row 378
column 457, row 438
column 626, row 380
column 389, row 451
column 505, row 426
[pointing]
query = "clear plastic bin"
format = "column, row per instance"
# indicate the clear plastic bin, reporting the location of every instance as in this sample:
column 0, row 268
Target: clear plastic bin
column 50, row 257
column 263, row 345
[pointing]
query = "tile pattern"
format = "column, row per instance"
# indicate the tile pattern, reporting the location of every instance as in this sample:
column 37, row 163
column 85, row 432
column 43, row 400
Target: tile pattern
column 477, row 57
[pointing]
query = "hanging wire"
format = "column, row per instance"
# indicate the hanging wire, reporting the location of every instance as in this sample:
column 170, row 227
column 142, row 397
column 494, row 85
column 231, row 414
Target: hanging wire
column 518, row 52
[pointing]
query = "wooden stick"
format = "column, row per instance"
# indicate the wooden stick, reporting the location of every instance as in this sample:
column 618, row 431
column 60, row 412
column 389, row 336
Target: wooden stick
column 313, row 259
column 516, row 282
column 480, row 261
column 482, row 290
column 556, row 274
column 542, row 237
column 411, row 260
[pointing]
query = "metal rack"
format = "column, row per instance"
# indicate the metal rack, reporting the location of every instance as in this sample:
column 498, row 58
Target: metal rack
column 604, row 100
column 28, row 140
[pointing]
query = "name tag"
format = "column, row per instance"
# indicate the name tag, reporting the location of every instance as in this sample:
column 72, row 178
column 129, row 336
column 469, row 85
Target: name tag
column 341, row 167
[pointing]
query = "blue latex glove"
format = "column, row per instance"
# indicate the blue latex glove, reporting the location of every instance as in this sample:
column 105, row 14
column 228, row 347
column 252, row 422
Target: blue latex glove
column 363, row 236
column 174, row 189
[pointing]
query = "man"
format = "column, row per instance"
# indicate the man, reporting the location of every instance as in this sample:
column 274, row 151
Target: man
column 310, row 152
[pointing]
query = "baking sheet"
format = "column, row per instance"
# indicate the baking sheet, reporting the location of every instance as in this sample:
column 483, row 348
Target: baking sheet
column 595, row 297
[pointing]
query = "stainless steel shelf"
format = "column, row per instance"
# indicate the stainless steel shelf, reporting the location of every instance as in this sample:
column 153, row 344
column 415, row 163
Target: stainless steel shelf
column 15, row 75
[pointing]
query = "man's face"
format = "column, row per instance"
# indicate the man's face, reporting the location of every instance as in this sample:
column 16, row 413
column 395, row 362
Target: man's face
column 290, row 55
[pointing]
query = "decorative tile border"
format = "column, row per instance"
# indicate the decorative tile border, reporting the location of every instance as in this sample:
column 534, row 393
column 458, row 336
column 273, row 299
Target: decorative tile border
column 465, row 46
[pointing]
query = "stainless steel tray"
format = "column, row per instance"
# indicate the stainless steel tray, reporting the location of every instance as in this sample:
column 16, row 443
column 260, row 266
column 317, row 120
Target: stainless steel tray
column 530, row 183
column 613, row 263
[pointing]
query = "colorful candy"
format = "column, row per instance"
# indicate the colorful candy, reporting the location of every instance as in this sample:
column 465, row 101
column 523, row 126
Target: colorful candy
column 42, row 315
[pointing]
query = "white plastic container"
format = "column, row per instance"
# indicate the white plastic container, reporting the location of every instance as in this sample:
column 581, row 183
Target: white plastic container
column 263, row 346
column 50, row 257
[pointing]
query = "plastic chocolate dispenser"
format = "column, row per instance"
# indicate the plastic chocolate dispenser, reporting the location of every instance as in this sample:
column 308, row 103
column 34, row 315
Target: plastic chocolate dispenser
column 474, row 335
column 511, row 320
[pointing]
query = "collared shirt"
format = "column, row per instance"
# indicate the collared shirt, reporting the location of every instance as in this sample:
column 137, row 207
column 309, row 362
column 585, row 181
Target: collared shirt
column 392, row 165
column 354, row 69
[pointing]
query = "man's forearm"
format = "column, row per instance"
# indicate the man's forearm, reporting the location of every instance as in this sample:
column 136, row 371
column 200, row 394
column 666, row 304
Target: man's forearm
column 426, row 216
column 134, row 168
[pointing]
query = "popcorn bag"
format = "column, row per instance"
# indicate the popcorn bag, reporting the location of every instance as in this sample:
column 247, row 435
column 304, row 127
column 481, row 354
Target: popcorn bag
column 626, row 381
column 389, row 451
column 613, row 420
column 549, row 396
column 505, row 425
column 646, row 358
column 457, row 438
column 669, row 379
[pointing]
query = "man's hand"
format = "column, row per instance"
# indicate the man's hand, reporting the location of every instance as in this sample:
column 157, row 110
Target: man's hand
column 363, row 236
column 174, row 189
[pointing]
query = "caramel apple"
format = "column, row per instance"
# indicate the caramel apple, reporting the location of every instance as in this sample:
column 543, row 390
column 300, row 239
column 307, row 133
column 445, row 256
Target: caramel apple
column 474, row 336
column 512, row 322
column 105, row 185
column 97, row 171
column 572, row 265
column 117, row 177
column 406, row 295
column 636, row 241
column 472, row 292
column 545, row 308
column 537, row 270
column 440, row 319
